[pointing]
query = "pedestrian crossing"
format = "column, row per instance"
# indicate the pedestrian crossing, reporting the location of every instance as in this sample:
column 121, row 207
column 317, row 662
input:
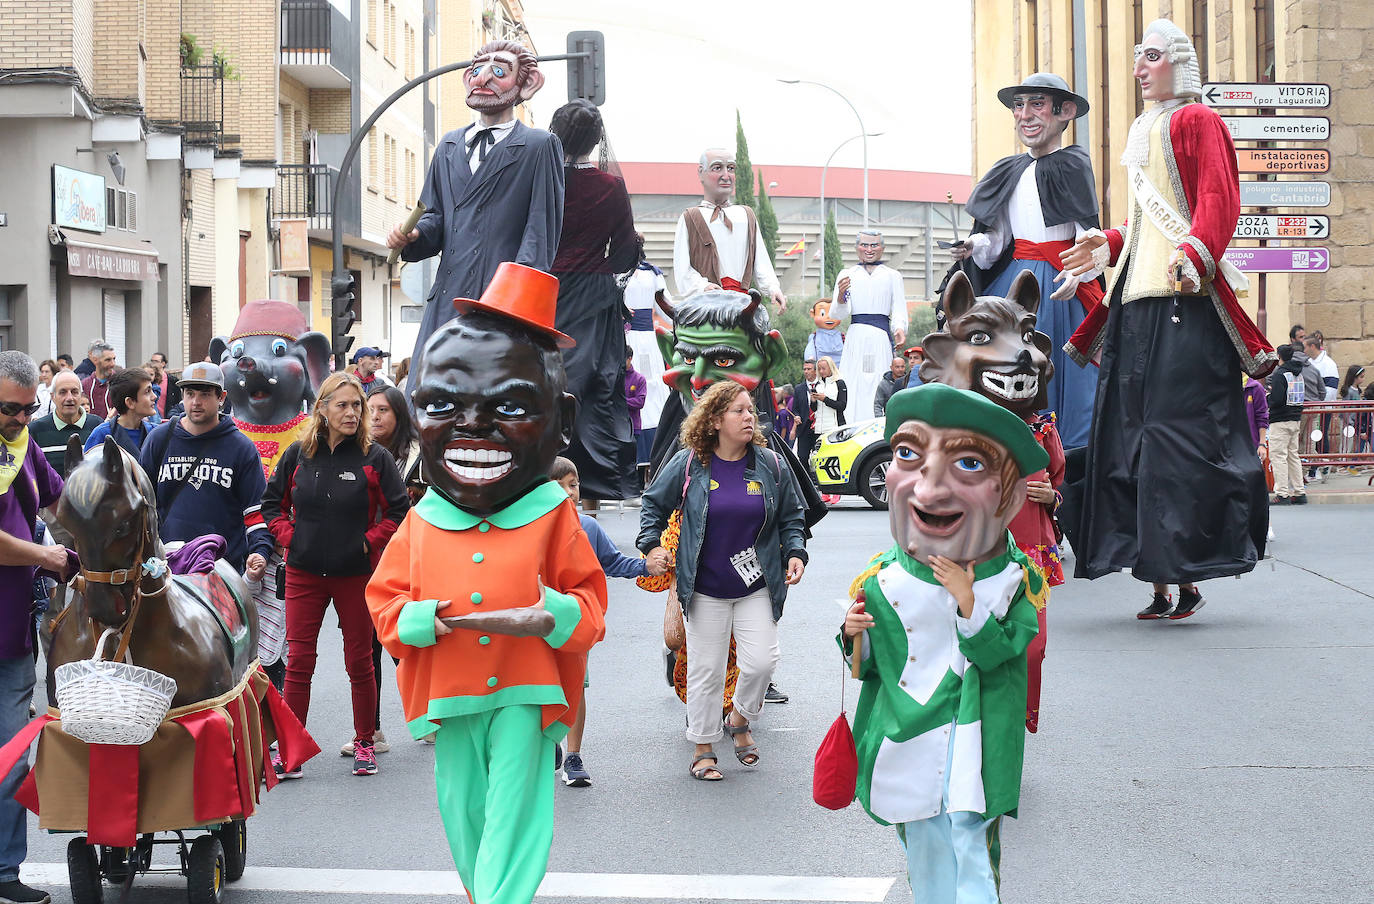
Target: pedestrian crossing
column 556, row 886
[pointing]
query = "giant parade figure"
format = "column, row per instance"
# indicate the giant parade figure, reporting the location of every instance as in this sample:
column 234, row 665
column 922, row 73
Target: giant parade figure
column 940, row 625
column 718, row 245
column 490, row 594
column 872, row 295
column 1028, row 209
column 494, row 191
column 1174, row 490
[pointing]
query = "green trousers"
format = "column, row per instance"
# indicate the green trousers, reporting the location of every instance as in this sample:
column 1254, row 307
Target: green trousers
column 494, row 775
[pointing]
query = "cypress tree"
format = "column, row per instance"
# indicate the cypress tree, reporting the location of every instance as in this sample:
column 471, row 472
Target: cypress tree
column 768, row 220
column 744, row 171
column 834, row 261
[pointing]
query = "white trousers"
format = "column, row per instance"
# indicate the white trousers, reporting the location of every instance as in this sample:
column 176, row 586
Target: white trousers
column 710, row 622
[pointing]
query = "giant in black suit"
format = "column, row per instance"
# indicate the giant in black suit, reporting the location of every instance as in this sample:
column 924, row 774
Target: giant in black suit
column 511, row 209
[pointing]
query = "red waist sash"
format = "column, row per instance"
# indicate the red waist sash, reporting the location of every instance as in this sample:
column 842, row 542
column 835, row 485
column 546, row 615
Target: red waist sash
column 1089, row 292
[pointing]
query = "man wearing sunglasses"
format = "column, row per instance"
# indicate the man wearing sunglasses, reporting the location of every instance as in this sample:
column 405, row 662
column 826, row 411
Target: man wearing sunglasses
column 27, row 483
column 494, row 191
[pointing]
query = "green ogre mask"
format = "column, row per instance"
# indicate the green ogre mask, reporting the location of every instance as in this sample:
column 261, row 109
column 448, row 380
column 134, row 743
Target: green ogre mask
column 719, row 335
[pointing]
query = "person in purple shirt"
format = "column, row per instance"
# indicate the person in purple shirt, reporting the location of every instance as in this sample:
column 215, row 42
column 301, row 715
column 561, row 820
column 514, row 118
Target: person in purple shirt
column 27, row 483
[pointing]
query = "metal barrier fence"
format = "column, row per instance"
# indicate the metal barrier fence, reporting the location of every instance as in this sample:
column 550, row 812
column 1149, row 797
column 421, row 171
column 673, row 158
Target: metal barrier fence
column 1337, row 434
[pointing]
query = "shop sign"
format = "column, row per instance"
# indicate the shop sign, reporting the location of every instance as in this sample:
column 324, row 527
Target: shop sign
column 78, row 199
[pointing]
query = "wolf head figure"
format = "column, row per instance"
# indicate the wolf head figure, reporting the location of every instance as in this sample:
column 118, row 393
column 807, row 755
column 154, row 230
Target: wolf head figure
column 991, row 346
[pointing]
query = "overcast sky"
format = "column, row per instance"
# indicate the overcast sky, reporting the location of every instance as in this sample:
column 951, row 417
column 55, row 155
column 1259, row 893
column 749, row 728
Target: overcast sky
column 677, row 72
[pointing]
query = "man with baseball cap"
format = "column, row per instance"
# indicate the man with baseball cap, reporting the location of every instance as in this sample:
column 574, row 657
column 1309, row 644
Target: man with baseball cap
column 208, row 475
column 1028, row 209
column 367, row 367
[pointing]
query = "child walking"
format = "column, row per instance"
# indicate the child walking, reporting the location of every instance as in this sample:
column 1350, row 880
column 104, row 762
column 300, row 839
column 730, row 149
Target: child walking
column 616, row 565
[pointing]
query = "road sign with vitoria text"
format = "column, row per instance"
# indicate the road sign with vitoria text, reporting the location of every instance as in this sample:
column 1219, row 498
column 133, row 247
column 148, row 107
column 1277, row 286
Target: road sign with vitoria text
column 1278, row 128
column 1273, row 94
column 1282, row 226
column 1285, row 194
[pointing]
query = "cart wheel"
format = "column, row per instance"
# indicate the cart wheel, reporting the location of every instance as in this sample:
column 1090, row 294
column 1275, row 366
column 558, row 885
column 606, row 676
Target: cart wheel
column 205, row 871
column 83, row 871
column 233, row 836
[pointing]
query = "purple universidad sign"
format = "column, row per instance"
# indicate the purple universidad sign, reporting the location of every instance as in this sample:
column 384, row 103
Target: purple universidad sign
column 1280, row 260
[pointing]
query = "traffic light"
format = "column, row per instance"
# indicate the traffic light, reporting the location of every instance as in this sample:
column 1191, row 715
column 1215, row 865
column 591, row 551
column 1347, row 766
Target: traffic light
column 587, row 75
column 345, row 312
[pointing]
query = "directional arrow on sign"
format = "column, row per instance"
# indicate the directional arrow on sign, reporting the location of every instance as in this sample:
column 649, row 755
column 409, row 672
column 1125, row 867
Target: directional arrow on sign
column 1279, row 260
column 1282, row 226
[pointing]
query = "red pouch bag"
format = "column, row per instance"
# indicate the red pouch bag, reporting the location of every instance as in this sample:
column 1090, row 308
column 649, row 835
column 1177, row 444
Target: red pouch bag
column 837, row 767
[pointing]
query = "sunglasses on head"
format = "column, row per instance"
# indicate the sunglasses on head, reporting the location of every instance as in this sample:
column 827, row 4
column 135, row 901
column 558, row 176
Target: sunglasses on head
column 14, row 409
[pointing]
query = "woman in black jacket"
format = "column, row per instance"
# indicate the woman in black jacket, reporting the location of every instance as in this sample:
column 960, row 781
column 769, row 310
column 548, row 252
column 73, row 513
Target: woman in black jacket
column 333, row 502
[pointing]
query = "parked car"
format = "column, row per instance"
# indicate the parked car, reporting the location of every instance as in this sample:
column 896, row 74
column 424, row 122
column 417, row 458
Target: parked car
column 853, row 461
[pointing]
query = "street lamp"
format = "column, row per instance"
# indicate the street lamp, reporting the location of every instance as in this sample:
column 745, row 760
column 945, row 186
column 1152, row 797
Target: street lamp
column 862, row 130
column 825, row 169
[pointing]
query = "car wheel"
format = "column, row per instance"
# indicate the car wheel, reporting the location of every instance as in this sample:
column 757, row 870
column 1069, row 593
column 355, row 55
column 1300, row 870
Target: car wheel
column 873, row 479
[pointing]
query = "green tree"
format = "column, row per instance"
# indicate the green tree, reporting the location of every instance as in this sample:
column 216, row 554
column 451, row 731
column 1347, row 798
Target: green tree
column 744, row 171
column 834, row 261
column 768, row 221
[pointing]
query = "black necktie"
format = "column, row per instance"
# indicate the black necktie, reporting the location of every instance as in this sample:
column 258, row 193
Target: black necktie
column 485, row 140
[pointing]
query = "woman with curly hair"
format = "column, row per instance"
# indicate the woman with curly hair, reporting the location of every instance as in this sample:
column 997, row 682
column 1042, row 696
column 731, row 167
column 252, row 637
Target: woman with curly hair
column 741, row 546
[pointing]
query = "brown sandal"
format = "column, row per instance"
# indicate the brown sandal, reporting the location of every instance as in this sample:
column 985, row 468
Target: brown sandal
column 748, row 755
column 704, row 773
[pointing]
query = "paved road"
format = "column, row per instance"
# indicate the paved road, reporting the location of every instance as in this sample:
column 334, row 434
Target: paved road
column 1222, row 759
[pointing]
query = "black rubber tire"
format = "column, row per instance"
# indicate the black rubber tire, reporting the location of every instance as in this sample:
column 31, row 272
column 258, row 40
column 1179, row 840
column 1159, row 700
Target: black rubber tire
column 874, row 467
column 205, row 871
column 83, row 872
column 233, row 837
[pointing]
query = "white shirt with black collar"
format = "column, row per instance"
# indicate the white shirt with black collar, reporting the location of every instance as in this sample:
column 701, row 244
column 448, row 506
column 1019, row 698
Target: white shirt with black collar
column 473, row 147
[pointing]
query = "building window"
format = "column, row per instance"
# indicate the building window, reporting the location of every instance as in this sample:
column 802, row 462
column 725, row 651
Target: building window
column 389, row 31
column 390, row 181
column 410, row 53
column 372, row 159
column 1264, row 40
column 121, row 209
column 410, row 178
column 9, row 295
column 1201, row 34
column 1030, row 24
column 372, row 22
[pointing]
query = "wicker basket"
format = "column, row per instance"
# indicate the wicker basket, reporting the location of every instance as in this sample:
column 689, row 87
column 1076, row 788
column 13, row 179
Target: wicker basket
column 112, row 702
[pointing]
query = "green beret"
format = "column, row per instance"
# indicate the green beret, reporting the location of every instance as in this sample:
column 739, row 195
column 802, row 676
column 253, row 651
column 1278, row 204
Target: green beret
column 943, row 406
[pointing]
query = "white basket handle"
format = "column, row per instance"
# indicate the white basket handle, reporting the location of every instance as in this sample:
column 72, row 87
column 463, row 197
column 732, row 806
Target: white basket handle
column 98, row 656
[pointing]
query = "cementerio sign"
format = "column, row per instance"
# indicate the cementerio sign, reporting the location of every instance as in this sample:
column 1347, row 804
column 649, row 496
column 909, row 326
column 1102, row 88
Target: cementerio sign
column 78, row 199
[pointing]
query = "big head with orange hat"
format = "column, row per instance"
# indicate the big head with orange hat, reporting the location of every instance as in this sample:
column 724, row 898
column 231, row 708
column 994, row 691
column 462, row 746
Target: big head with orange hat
column 272, row 363
column 491, row 395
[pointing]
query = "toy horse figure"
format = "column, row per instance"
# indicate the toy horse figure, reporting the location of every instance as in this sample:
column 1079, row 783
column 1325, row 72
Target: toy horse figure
column 200, row 630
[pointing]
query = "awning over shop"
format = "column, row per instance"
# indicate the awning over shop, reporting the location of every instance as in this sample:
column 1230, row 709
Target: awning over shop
column 108, row 256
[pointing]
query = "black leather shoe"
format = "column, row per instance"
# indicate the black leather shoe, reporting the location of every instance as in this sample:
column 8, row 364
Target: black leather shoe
column 1300, row 499
column 1160, row 606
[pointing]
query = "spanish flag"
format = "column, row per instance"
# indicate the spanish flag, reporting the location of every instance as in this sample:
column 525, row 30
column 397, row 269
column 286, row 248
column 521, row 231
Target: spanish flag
column 795, row 249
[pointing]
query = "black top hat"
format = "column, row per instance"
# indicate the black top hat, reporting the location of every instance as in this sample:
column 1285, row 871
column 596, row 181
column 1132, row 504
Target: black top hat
column 1048, row 83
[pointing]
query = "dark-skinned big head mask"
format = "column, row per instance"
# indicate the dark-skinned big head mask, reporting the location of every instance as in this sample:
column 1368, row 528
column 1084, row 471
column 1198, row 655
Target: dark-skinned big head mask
column 492, row 411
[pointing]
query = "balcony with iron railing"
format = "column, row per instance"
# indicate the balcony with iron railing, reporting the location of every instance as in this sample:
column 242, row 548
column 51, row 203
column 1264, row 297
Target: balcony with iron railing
column 202, row 104
column 304, row 191
column 318, row 44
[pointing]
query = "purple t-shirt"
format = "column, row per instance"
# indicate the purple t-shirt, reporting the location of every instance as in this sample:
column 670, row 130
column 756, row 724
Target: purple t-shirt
column 734, row 517
column 35, row 486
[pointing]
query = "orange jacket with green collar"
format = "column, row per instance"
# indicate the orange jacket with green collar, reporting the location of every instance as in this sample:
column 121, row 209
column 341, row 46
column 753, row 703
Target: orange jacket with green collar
column 441, row 553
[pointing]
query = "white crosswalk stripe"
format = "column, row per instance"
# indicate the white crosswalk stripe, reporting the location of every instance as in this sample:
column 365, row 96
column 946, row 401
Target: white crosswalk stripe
column 444, row 883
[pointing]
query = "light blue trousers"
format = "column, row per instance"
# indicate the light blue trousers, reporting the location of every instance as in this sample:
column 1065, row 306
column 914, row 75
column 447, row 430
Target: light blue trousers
column 953, row 858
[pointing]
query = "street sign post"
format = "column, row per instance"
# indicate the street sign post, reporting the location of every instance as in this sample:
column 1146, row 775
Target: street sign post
column 1272, row 94
column 1285, row 194
column 1279, row 260
column 1278, row 128
column 1282, row 226
column 1301, row 161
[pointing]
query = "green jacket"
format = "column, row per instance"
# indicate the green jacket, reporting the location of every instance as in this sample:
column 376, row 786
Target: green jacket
column 939, row 707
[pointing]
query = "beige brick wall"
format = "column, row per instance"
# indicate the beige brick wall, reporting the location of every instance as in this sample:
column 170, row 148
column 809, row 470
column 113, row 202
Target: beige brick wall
column 1334, row 43
column 163, row 42
column 330, row 111
column 40, row 34
column 118, row 62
